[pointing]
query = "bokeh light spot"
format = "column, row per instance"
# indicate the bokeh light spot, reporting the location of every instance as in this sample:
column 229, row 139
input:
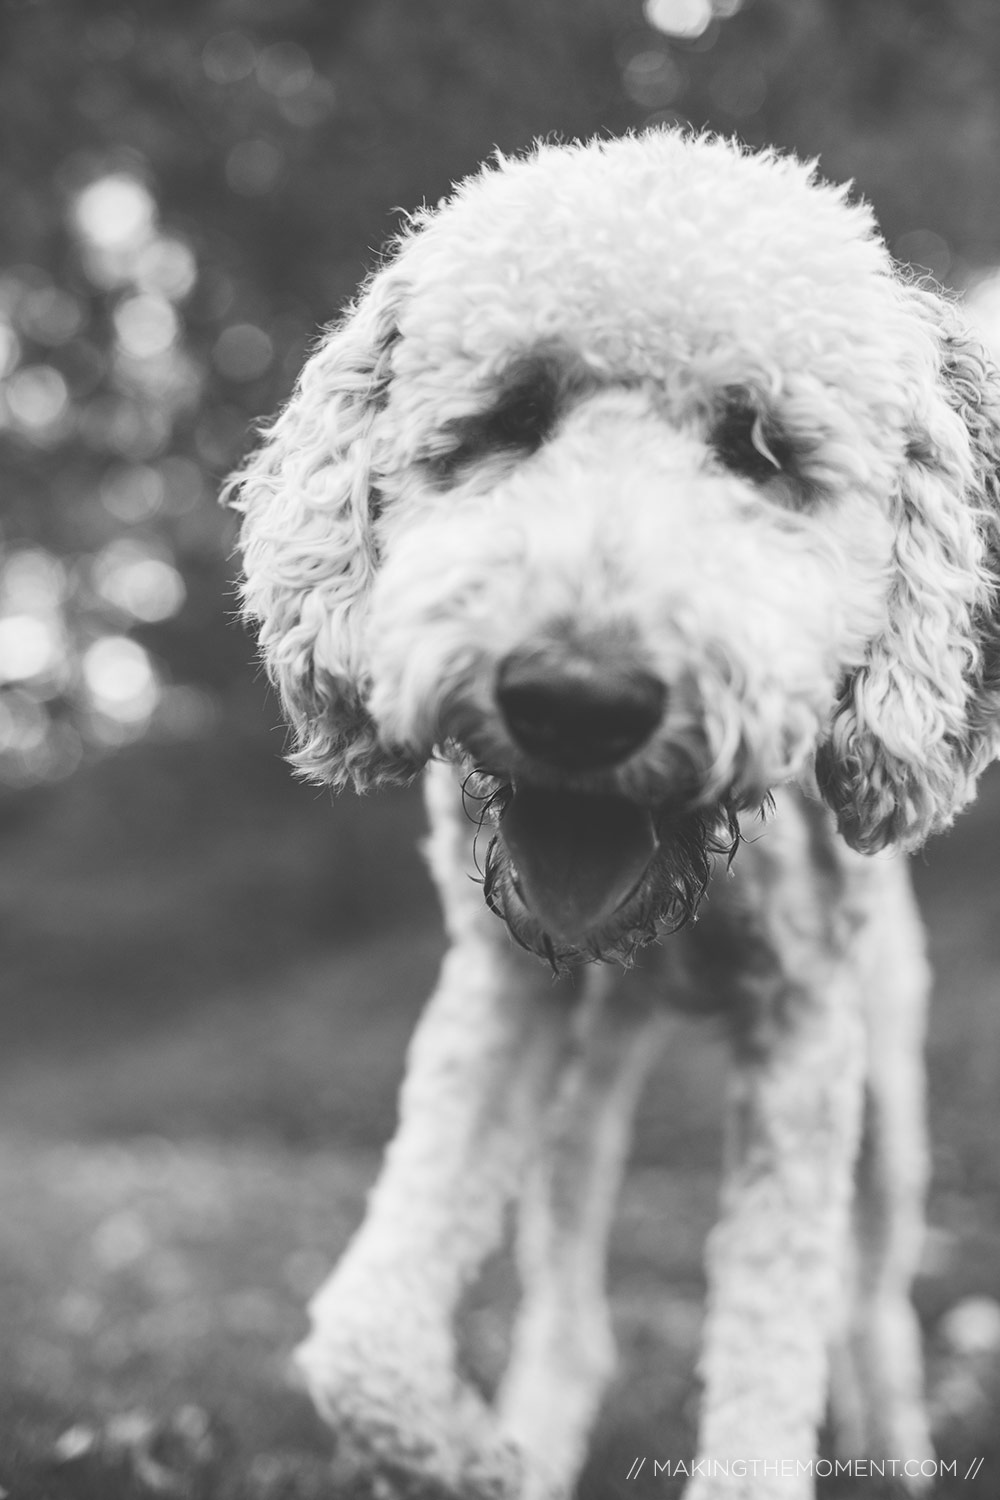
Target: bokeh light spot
column 166, row 266
column 243, row 351
column 10, row 349
column 285, row 68
column 34, row 747
column 24, row 723
column 228, row 57
column 183, row 484
column 651, row 78
column 132, row 492
column 982, row 303
column 119, row 424
column 37, row 398
column 137, row 582
column 924, row 249
column 120, row 679
column 682, row 18
column 738, row 88
column 311, row 106
column 146, row 325
column 115, row 212
column 51, row 315
column 32, row 579
column 30, row 646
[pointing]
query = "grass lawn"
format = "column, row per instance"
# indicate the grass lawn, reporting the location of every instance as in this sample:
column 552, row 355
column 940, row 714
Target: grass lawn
column 186, row 1141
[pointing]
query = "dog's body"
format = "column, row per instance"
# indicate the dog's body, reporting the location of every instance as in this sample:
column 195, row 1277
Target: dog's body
column 640, row 494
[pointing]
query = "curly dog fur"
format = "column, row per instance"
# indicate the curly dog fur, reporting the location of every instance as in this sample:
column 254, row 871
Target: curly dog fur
column 639, row 493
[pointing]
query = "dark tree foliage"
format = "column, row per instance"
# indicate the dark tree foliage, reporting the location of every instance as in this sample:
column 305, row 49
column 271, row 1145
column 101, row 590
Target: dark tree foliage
column 260, row 155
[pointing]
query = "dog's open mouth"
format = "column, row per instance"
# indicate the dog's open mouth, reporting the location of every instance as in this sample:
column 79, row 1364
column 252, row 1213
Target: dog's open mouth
column 575, row 858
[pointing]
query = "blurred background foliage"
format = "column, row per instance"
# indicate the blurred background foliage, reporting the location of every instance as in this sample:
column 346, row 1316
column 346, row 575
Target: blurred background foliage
column 189, row 191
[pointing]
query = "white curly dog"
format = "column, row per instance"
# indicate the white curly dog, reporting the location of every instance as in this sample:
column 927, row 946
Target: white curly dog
column 637, row 493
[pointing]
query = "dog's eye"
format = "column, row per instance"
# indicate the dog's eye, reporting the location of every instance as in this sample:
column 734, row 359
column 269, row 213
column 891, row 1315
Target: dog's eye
column 523, row 419
column 519, row 422
column 748, row 443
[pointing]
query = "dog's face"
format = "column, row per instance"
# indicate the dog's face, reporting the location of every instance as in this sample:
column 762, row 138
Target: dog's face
column 637, row 482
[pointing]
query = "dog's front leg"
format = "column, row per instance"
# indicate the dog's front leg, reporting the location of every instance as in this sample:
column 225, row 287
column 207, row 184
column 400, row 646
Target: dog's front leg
column 380, row 1359
column 563, row 1349
column 877, row 1391
column 775, row 1258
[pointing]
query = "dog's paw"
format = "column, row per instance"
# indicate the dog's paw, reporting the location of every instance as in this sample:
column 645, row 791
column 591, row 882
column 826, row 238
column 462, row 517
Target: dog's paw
column 405, row 1426
column 738, row 1483
column 365, row 1476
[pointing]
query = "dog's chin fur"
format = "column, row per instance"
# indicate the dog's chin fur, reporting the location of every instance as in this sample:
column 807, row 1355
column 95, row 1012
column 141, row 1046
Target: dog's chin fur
column 688, row 840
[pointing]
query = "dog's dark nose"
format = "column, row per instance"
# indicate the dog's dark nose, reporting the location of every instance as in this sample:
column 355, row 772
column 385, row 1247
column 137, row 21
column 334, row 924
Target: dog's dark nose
column 577, row 712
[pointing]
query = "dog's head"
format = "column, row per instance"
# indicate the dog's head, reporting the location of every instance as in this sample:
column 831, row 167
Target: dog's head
column 638, row 482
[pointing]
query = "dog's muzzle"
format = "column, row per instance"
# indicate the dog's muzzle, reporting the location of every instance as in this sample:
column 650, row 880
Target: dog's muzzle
column 575, row 712
column 576, row 856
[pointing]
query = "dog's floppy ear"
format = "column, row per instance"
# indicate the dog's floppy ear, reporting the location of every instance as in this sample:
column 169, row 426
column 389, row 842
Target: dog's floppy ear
column 918, row 722
column 307, row 547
